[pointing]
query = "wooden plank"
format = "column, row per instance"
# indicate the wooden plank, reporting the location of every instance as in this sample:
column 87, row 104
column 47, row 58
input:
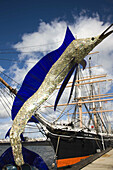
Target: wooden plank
column 93, row 53
column 88, row 83
column 85, row 79
column 8, row 86
column 98, row 111
column 82, row 102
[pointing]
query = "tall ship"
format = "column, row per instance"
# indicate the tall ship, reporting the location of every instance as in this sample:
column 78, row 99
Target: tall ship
column 80, row 126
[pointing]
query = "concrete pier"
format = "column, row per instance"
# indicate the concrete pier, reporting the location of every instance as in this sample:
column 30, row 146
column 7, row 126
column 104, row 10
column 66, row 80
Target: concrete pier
column 99, row 161
column 103, row 163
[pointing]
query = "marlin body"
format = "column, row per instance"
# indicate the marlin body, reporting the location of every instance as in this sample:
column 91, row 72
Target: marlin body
column 73, row 55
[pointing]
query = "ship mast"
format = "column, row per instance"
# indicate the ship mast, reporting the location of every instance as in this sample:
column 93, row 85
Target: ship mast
column 7, row 93
column 92, row 105
column 95, row 116
column 79, row 98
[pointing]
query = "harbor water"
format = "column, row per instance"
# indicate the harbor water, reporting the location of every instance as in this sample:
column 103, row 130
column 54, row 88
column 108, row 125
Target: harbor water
column 45, row 151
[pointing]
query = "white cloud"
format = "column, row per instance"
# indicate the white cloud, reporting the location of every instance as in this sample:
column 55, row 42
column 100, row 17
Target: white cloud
column 5, row 124
column 48, row 34
column 44, row 39
column 1, row 69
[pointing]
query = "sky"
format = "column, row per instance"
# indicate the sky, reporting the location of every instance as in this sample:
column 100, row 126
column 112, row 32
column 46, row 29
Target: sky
column 29, row 29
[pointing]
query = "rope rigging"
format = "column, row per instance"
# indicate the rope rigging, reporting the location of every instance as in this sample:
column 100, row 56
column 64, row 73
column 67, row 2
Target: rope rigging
column 32, row 46
column 5, row 107
column 7, row 51
column 6, row 96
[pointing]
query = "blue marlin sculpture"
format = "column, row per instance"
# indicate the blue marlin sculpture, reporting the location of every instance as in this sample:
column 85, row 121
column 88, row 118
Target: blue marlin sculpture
column 43, row 79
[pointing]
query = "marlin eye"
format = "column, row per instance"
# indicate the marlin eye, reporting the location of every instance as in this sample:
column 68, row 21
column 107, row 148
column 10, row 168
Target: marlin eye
column 92, row 38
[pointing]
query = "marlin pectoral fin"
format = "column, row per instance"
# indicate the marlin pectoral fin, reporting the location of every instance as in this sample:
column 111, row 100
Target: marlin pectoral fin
column 83, row 63
column 64, row 85
column 72, row 87
column 33, row 119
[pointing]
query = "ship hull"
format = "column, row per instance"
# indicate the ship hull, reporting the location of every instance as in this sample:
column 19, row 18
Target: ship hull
column 70, row 149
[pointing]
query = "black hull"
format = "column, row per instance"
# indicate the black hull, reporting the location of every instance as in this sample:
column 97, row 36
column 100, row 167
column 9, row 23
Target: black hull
column 71, row 149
